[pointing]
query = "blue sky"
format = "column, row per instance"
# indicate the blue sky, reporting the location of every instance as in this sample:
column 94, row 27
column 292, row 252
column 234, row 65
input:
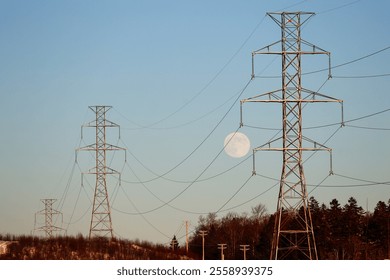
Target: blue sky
column 172, row 71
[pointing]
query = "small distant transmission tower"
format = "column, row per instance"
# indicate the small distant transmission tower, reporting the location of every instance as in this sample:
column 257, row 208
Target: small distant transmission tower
column 293, row 236
column 49, row 213
column 101, row 223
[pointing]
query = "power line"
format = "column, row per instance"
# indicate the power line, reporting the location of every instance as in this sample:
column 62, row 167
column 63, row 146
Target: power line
column 318, row 185
column 361, row 180
column 159, row 176
column 339, row 65
column 362, row 76
column 179, row 209
column 369, row 182
column 220, row 209
column 338, row 7
column 193, row 181
column 345, row 123
column 355, row 185
column 368, row 116
column 352, row 120
column 219, row 72
column 182, row 191
column 253, row 198
column 264, row 192
column 235, row 193
column 197, row 147
column 208, row 135
column 293, row 5
column 141, row 214
column 185, row 123
column 82, row 188
column 350, row 62
column 80, row 218
column 367, row 127
column 151, row 126
column 181, row 181
column 65, row 193
column 208, row 166
column 75, row 205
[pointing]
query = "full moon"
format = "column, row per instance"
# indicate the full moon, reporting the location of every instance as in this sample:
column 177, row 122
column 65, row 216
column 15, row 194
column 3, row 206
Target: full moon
column 236, row 144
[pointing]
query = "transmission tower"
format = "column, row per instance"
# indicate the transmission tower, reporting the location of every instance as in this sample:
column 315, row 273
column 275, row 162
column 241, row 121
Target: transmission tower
column 49, row 213
column 293, row 236
column 101, row 223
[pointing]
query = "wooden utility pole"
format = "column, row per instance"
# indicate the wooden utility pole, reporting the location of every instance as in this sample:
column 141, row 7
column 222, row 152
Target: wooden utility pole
column 244, row 248
column 203, row 233
column 187, row 237
column 222, row 247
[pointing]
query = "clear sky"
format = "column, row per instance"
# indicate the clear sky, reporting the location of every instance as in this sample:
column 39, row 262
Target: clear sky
column 174, row 72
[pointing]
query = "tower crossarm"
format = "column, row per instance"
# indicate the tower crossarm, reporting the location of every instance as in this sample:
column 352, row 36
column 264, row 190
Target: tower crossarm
column 107, row 124
column 317, row 147
column 312, row 49
column 108, row 170
column 107, row 147
column 277, row 97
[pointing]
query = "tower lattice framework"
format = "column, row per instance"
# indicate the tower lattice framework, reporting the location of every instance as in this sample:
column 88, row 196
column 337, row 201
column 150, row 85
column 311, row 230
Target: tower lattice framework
column 293, row 236
column 101, row 222
column 49, row 227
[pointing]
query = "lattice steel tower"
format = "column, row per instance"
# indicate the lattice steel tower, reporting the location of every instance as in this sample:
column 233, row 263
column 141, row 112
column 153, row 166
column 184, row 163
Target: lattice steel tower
column 49, row 213
column 293, row 236
column 101, row 223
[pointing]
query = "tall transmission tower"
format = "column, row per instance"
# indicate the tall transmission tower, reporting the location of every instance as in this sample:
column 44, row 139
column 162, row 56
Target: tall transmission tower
column 49, row 213
column 101, row 223
column 293, row 236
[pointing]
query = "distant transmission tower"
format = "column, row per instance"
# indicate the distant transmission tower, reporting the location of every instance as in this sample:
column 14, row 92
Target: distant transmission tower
column 49, row 213
column 293, row 236
column 101, row 223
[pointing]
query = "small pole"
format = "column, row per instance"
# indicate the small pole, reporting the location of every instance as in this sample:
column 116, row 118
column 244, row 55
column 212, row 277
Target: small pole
column 187, row 237
column 222, row 247
column 244, row 248
column 203, row 233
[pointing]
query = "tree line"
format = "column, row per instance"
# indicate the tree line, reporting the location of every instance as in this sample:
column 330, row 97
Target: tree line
column 341, row 232
column 27, row 247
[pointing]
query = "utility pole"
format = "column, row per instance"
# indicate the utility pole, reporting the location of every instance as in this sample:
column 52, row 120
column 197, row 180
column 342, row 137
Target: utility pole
column 49, row 213
column 244, row 248
column 187, row 242
column 293, row 236
column 222, row 247
column 203, row 233
column 101, row 223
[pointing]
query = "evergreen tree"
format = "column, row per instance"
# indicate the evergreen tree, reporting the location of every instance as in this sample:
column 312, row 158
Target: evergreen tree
column 379, row 230
column 174, row 244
